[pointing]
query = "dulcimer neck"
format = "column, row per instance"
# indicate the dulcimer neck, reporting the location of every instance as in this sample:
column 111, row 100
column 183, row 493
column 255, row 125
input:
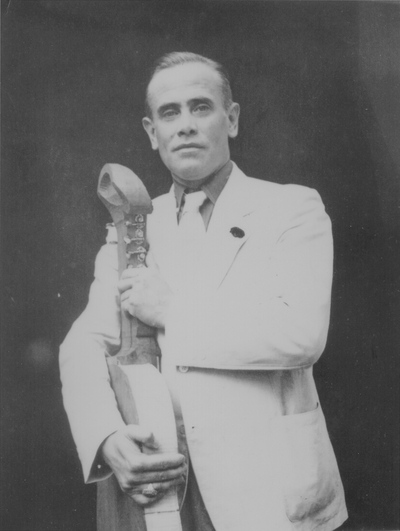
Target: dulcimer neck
column 128, row 202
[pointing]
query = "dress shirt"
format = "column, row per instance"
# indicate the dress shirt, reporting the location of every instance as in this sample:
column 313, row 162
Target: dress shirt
column 212, row 187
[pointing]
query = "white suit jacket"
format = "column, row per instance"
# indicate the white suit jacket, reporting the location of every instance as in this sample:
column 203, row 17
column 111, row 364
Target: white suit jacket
column 246, row 324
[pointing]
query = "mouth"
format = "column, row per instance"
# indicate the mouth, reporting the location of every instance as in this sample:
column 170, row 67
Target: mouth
column 188, row 146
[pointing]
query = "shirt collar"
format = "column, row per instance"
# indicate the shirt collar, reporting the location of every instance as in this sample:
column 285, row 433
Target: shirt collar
column 212, row 187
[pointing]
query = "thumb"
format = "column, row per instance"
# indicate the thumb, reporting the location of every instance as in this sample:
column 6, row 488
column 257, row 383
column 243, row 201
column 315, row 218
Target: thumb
column 141, row 435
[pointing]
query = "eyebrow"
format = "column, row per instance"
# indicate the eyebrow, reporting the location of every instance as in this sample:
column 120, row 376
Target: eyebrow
column 176, row 106
column 167, row 106
column 197, row 101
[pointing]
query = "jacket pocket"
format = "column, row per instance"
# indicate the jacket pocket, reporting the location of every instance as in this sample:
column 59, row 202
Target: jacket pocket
column 310, row 477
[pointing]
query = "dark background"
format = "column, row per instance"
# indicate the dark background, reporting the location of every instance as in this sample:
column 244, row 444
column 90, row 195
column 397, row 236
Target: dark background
column 319, row 87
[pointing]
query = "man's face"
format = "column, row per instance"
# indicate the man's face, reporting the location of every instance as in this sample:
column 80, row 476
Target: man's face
column 189, row 125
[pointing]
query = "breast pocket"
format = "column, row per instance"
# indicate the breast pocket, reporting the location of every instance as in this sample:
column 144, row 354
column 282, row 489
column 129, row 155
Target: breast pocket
column 309, row 473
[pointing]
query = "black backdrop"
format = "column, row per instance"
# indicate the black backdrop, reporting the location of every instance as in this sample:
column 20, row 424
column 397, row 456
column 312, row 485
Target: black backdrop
column 318, row 84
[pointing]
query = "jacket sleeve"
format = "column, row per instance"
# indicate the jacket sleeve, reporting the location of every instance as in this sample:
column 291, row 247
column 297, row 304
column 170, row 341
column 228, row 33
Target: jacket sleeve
column 272, row 310
column 88, row 398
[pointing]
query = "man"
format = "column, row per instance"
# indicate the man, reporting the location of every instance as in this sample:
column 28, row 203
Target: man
column 242, row 312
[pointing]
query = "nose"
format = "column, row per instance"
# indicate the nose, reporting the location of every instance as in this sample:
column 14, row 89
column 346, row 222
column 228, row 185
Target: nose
column 187, row 124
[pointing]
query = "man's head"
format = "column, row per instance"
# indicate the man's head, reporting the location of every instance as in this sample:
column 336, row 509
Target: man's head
column 181, row 58
column 190, row 115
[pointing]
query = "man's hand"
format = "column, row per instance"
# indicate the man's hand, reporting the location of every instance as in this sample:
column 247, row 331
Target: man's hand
column 135, row 471
column 145, row 295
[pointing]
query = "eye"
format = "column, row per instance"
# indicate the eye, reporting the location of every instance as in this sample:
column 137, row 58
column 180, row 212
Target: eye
column 169, row 114
column 202, row 108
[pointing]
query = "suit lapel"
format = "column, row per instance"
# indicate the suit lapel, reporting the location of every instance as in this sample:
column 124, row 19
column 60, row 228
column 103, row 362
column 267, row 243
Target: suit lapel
column 233, row 210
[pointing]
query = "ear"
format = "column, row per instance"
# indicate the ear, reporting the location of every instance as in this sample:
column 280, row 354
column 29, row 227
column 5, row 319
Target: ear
column 150, row 130
column 233, row 117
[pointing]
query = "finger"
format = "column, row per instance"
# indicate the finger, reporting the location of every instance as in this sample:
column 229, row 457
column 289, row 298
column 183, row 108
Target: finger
column 141, row 435
column 159, row 462
column 134, row 272
column 124, row 285
column 130, row 300
column 144, row 500
column 161, row 476
column 128, row 284
column 130, row 272
column 161, row 488
column 171, row 474
column 162, row 461
column 128, row 308
column 125, row 296
column 164, row 486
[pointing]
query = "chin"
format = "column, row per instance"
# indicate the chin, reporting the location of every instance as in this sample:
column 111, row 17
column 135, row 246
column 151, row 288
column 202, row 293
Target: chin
column 190, row 172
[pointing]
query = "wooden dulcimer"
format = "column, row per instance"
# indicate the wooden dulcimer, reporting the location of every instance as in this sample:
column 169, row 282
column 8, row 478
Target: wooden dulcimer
column 140, row 390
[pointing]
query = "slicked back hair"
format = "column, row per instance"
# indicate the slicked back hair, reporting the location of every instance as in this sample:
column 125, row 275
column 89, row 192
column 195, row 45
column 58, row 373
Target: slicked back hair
column 172, row 59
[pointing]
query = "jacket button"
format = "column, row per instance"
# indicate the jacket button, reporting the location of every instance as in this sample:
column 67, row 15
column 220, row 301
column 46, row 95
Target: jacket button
column 183, row 368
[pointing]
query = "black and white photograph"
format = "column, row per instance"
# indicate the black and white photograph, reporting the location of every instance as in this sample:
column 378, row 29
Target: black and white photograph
column 200, row 229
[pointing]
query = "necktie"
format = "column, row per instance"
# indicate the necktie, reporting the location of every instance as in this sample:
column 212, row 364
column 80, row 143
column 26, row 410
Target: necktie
column 191, row 224
column 191, row 237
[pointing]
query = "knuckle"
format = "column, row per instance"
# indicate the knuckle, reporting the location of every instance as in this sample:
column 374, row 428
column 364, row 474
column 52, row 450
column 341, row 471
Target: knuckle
column 139, row 465
column 125, row 486
column 132, row 475
column 134, row 470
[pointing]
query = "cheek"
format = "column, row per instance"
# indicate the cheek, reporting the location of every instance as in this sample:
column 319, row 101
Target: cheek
column 218, row 131
column 164, row 137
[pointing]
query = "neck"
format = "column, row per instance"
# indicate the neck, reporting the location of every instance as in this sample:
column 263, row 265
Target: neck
column 197, row 183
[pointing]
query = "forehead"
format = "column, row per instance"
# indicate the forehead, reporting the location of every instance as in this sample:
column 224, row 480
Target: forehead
column 184, row 82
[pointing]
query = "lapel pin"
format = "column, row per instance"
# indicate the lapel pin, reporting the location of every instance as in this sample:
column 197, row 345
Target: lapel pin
column 236, row 232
